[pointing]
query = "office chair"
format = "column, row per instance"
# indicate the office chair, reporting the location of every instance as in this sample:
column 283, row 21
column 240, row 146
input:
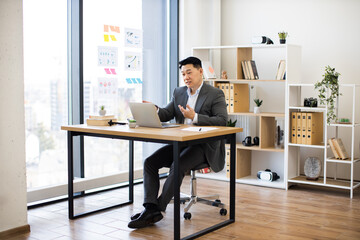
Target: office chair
column 193, row 198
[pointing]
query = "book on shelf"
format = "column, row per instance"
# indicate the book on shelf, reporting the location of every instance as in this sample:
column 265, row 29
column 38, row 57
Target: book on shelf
column 333, row 149
column 298, row 127
column 281, row 70
column 245, row 70
column 303, row 128
column 340, row 148
column 249, row 70
column 209, row 72
column 293, row 127
column 314, row 128
column 253, row 65
column 251, row 73
column 227, row 161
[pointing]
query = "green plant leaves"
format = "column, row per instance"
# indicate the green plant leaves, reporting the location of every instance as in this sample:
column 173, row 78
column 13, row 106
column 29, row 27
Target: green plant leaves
column 328, row 91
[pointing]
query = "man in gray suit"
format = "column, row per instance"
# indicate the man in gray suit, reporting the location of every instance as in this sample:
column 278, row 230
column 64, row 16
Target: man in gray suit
column 196, row 103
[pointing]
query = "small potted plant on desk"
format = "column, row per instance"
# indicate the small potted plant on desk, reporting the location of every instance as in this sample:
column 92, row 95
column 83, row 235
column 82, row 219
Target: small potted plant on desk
column 282, row 37
column 102, row 110
column 258, row 103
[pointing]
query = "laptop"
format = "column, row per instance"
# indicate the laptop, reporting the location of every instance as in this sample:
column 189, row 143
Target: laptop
column 146, row 115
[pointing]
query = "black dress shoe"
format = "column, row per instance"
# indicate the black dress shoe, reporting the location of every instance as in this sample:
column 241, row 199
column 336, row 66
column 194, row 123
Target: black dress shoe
column 135, row 216
column 146, row 218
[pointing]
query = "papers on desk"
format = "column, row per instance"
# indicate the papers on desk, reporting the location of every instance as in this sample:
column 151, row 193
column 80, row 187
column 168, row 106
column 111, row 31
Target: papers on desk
column 199, row 129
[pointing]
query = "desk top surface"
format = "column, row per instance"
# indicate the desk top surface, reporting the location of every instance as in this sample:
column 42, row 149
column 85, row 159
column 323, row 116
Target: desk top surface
column 172, row 134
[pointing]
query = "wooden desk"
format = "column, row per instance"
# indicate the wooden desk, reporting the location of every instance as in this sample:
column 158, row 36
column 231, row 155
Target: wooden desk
column 174, row 136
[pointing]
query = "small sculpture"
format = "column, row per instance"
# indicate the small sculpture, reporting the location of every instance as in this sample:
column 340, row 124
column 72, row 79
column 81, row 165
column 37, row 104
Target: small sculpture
column 224, row 75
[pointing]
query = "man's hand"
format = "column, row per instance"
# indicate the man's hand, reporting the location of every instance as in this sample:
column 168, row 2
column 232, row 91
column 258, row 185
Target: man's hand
column 188, row 112
column 144, row 101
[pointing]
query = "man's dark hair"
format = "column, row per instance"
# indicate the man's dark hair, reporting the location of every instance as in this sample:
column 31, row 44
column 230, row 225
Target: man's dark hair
column 191, row 60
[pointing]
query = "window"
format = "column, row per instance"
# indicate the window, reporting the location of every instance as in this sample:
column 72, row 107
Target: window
column 45, row 76
column 124, row 56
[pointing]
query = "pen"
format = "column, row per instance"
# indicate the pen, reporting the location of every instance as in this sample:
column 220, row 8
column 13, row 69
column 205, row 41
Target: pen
column 199, row 129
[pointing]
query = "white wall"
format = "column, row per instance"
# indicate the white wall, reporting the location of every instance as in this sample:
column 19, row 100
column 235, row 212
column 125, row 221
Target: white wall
column 13, row 211
column 199, row 25
column 327, row 30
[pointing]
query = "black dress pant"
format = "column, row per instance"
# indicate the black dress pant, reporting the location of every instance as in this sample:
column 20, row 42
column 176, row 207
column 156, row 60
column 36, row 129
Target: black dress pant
column 189, row 158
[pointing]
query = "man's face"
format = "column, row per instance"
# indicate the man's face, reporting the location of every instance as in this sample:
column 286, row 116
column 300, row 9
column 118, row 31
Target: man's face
column 192, row 76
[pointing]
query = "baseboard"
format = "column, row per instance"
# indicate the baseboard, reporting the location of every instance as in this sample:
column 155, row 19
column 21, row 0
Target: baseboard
column 15, row 231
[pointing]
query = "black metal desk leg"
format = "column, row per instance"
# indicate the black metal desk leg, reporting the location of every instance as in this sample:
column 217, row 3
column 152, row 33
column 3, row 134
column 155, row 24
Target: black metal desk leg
column 70, row 175
column 176, row 153
column 131, row 171
column 232, row 176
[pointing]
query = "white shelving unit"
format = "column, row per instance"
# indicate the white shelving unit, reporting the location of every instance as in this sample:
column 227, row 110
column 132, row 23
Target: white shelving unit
column 272, row 92
column 294, row 102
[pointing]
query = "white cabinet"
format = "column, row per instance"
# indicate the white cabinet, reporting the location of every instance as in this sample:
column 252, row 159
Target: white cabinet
column 268, row 155
column 349, row 133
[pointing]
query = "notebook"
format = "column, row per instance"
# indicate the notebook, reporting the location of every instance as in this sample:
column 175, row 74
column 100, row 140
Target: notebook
column 146, row 115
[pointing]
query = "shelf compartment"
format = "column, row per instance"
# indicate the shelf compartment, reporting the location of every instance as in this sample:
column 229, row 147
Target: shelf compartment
column 257, row 148
column 308, row 109
column 343, row 184
column 263, row 114
column 305, row 145
column 344, row 125
column 347, row 161
column 253, row 180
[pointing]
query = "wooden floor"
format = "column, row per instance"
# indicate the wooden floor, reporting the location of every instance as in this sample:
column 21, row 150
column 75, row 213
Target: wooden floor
column 302, row 212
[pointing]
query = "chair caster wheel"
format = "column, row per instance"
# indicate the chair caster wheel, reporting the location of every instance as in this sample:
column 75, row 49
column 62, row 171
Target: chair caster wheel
column 187, row 216
column 223, row 212
column 216, row 203
column 182, row 201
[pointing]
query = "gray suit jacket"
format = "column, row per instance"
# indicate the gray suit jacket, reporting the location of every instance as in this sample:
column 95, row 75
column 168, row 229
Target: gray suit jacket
column 211, row 109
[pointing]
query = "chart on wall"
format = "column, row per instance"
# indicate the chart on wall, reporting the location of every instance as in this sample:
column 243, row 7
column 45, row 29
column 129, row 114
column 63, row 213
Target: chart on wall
column 108, row 56
column 133, row 38
column 132, row 61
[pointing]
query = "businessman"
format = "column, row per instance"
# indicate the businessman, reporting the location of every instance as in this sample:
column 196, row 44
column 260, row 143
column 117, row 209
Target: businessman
column 196, row 103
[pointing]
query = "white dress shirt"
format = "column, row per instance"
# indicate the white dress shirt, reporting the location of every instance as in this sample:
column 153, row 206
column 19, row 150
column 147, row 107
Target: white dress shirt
column 192, row 102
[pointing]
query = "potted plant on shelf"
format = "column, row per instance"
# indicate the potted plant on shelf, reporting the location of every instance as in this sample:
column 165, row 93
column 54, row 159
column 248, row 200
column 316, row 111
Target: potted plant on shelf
column 258, row 103
column 282, row 37
column 102, row 110
column 230, row 123
column 330, row 83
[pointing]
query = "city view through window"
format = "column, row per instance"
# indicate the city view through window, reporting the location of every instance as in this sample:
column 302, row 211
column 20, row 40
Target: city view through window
column 112, row 46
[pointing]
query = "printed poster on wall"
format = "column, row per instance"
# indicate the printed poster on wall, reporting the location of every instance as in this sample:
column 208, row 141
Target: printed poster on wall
column 132, row 61
column 107, row 56
column 133, row 38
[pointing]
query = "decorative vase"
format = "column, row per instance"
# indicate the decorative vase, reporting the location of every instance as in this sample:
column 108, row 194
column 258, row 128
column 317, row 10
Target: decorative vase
column 256, row 109
column 312, row 168
column 102, row 112
column 282, row 41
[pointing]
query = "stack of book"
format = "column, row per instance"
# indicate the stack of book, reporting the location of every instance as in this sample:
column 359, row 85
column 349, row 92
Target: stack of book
column 307, row 128
column 100, row 120
column 249, row 69
column 236, row 96
column 338, row 149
